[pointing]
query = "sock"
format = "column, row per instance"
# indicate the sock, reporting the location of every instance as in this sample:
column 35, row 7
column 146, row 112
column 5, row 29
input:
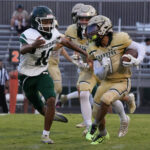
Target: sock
column 57, row 96
column 119, row 109
column 46, row 132
column 86, row 109
column 73, row 95
column 91, row 100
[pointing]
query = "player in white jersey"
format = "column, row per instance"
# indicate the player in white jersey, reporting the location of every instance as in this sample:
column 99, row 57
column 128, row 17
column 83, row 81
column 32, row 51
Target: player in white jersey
column 36, row 44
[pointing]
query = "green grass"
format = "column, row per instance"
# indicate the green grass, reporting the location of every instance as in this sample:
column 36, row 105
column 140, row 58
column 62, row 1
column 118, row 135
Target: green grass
column 23, row 132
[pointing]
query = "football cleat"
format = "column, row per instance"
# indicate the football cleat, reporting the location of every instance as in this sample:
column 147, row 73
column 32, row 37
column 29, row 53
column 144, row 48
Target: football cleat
column 45, row 139
column 91, row 132
column 131, row 103
column 124, row 127
column 63, row 98
column 81, row 125
column 59, row 117
column 99, row 139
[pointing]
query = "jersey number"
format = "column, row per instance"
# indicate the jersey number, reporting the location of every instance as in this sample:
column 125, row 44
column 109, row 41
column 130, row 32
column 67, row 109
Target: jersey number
column 43, row 59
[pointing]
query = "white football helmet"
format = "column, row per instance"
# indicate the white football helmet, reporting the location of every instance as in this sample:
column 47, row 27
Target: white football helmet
column 85, row 13
column 98, row 25
column 74, row 11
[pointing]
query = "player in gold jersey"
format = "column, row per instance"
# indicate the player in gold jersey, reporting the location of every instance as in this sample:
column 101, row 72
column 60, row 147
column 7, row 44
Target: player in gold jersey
column 107, row 48
column 53, row 67
column 87, row 80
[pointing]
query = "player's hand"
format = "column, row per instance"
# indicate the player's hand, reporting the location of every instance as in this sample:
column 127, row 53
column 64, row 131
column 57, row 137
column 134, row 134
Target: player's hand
column 38, row 42
column 106, row 62
column 133, row 61
column 89, row 62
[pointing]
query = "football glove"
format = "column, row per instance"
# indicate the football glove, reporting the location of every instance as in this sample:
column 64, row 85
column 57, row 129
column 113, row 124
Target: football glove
column 100, row 71
column 79, row 62
column 75, row 57
column 106, row 63
column 83, row 66
column 134, row 61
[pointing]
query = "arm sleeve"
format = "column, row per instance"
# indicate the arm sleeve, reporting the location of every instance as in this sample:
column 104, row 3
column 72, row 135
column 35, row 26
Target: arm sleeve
column 140, row 48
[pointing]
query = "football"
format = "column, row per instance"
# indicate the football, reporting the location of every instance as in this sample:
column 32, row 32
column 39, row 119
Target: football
column 132, row 52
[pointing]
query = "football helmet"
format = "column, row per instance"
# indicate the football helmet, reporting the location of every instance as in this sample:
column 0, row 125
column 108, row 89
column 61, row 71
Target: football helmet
column 85, row 13
column 98, row 26
column 42, row 19
column 75, row 9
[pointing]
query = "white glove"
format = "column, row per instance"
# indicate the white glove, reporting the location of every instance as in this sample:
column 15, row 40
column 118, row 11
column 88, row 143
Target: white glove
column 75, row 57
column 133, row 61
column 99, row 70
column 80, row 64
column 83, row 66
column 106, row 63
column 76, row 62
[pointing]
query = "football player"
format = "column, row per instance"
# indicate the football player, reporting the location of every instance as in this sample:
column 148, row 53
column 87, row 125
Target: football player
column 36, row 44
column 87, row 80
column 53, row 67
column 107, row 48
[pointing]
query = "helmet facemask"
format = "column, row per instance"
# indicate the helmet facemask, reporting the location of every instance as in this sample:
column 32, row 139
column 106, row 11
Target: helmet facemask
column 45, row 24
column 81, row 25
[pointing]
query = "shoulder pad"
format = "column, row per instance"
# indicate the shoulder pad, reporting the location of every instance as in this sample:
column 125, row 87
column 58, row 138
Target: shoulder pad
column 122, row 39
column 71, row 31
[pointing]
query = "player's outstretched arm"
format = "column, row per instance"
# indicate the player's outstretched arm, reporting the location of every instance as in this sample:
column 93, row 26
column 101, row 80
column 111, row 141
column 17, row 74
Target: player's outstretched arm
column 65, row 54
column 66, row 42
column 29, row 48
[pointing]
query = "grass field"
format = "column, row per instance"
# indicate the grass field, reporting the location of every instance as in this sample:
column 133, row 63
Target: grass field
column 23, row 132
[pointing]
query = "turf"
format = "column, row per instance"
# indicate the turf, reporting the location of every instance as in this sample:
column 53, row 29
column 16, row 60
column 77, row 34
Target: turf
column 23, row 132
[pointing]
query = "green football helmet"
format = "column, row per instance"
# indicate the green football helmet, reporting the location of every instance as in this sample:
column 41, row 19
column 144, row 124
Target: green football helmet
column 42, row 19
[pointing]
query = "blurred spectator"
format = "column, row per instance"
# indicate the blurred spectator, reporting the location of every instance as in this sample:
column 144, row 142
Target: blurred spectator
column 4, row 84
column 147, row 49
column 19, row 20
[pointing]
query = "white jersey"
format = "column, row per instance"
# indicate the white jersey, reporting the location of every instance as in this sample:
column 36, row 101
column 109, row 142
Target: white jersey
column 34, row 64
